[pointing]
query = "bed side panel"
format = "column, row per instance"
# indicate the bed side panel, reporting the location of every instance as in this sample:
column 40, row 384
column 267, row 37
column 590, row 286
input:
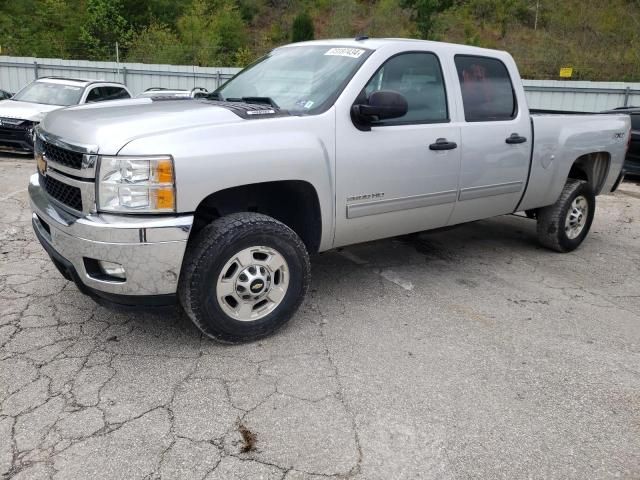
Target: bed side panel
column 560, row 140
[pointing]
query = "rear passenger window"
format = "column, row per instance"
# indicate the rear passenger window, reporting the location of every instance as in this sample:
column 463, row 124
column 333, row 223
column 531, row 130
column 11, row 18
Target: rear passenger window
column 418, row 77
column 102, row 94
column 95, row 95
column 115, row 93
column 487, row 92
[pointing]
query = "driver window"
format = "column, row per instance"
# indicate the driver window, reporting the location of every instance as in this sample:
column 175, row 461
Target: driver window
column 418, row 77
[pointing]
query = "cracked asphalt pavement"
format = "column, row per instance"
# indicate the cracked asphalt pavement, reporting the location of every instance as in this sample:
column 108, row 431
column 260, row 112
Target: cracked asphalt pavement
column 466, row 353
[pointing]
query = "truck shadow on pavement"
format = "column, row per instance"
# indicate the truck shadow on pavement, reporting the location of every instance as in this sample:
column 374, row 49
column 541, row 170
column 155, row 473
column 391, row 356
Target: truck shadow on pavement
column 450, row 253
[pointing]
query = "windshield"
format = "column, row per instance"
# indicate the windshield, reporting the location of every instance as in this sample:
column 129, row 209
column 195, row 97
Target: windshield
column 298, row 79
column 49, row 94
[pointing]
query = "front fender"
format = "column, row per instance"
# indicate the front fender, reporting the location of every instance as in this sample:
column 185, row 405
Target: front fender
column 213, row 158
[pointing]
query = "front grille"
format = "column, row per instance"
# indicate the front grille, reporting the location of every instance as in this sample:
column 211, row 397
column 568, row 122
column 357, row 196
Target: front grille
column 16, row 135
column 61, row 156
column 13, row 133
column 66, row 194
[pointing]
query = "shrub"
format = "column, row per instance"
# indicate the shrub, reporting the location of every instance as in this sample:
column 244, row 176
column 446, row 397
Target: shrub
column 302, row 29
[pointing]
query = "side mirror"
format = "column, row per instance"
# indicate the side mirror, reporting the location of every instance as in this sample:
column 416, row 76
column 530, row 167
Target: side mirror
column 381, row 105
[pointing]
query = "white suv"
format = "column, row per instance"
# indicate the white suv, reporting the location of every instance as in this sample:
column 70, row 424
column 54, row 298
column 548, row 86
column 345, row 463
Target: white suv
column 28, row 107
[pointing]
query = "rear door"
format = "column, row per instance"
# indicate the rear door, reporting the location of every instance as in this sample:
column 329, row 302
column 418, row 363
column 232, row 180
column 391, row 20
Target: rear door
column 496, row 138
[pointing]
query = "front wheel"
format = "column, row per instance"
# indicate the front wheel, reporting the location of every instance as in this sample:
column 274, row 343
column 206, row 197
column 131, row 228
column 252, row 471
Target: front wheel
column 243, row 277
column 565, row 224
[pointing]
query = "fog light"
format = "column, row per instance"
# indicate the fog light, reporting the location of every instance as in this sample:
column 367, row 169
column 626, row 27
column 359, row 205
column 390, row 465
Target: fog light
column 112, row 269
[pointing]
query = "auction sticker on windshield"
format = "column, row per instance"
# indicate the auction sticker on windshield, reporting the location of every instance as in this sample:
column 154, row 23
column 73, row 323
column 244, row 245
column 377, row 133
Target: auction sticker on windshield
column 346, row 52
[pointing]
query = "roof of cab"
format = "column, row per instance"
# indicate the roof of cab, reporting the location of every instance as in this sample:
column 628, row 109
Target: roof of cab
column 378, row 43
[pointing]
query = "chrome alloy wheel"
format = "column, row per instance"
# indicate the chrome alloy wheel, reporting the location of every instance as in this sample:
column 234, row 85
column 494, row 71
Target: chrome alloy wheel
column 576, row 217
column 252, row 283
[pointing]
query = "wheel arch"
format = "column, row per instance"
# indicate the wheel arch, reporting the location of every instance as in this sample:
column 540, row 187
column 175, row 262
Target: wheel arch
column 293, row 202
column 592, row 167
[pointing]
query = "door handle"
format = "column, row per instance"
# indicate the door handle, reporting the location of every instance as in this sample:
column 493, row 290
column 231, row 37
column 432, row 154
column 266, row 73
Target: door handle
column 443, row 144
column 515, row 138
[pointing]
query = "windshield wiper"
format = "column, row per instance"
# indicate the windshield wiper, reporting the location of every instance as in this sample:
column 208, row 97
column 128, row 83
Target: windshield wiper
column 259, row 100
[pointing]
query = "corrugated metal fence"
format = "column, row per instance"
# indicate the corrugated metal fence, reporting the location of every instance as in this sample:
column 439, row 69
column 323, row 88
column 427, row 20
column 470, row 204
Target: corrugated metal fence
column 16, row 72
column 581, row 96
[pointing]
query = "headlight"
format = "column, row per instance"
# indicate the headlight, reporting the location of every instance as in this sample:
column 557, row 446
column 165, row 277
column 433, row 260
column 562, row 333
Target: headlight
column 136, row 184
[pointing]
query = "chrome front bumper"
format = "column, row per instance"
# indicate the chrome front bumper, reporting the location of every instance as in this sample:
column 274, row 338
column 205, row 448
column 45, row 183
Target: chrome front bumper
column 150, row 248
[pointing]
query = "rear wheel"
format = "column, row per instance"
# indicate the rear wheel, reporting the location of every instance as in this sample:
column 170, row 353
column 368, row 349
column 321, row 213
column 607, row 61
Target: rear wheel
column 564, row 225
column 243, row 277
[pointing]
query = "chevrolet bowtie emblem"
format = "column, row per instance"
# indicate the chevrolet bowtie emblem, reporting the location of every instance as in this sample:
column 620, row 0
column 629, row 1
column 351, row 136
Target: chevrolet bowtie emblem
column 42, row 163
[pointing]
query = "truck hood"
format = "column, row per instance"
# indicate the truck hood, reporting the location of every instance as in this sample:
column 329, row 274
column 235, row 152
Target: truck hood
column 25, row 110
column 110, row 125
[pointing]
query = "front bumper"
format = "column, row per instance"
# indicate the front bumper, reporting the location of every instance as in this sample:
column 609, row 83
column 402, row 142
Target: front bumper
column 150, row 248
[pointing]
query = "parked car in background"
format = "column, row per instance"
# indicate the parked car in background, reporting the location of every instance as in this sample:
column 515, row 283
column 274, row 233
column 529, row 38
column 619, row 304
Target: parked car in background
column 4, row 95
column 632, row 160
column 22, row 112
column 159, row 92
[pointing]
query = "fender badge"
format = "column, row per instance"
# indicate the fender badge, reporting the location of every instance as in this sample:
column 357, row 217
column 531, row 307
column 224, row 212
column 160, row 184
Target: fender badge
column 365, row 196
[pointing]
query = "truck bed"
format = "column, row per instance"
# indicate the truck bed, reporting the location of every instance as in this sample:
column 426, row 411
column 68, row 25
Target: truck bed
column 560, row 138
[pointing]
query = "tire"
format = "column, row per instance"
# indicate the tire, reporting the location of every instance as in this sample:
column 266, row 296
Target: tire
column 212, row 288
column 555, row 229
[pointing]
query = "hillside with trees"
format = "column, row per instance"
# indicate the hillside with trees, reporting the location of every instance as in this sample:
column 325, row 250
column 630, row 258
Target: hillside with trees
column 600, row 40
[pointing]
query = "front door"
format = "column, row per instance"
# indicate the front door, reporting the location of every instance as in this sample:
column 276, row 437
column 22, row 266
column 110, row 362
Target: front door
column 402, row 175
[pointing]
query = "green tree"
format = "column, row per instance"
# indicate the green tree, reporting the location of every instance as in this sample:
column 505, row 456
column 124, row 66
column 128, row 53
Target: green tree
column 195, row 34
column 212, row 37
column 156, row 43
column 389, row 19
column 143, row 13
column 302, row 28
column 341, row 23
column 500, row 13
column 243, row 57
column 423, row 12
column 229, row 33
column 103, row 28
column 45, row 28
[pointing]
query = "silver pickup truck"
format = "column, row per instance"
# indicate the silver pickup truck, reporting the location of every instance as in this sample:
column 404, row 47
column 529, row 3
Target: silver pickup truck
column 218, row 202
